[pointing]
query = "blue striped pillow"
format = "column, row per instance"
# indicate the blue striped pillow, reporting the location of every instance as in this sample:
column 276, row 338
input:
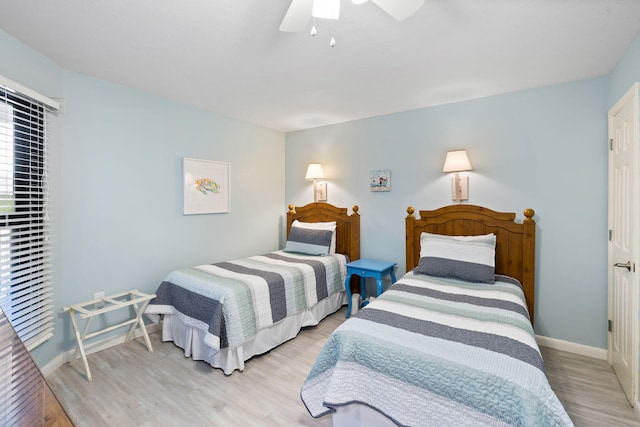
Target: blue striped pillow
column 469, row 258
column 308, row 241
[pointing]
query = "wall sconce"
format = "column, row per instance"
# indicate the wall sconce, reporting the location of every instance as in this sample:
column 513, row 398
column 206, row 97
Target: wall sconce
column 315, row 172
column 457, row 161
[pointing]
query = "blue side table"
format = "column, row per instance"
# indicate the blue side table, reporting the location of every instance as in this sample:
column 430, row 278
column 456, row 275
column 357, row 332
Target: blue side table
column 367, row 268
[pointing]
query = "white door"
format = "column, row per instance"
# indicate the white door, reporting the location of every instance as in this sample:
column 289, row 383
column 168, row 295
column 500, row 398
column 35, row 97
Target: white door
column 624, row 241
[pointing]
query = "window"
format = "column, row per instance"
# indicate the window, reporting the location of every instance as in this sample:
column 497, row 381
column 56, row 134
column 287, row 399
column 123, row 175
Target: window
column 25, row 251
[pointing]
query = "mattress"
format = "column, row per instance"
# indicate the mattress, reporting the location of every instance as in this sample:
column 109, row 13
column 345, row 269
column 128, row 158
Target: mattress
column 226, row 312
column 437, row 351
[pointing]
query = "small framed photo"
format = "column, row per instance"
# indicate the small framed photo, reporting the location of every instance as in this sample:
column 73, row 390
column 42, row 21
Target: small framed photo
column 206, row 186
column 380, row 180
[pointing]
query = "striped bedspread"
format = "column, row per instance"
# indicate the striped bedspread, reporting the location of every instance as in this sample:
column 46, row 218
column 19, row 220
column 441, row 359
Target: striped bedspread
column 433, row 351
column 231, row 301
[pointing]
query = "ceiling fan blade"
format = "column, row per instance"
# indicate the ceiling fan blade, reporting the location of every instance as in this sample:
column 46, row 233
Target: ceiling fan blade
column 399, row 9
column 297, row 16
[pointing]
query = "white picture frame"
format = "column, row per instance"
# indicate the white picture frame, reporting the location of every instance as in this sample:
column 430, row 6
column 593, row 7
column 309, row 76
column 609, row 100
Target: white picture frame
column 380, row 180
column 206, row 186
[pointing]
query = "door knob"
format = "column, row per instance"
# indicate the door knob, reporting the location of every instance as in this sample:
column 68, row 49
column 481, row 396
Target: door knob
column 627, row 265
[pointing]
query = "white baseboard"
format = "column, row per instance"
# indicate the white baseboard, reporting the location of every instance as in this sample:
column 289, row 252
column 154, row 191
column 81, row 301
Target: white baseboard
column 94, row 347
column 571, row 347
column 51, row 367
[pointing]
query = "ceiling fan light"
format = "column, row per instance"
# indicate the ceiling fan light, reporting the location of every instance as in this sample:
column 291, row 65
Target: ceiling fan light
column 327, row 9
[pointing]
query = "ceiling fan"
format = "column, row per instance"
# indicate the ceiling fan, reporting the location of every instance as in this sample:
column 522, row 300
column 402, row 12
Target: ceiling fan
column 301, row 11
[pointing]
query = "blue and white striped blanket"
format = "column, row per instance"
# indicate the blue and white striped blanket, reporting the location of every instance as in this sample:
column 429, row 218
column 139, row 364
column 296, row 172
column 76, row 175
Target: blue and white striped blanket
column 231, row 301
column 438, row 352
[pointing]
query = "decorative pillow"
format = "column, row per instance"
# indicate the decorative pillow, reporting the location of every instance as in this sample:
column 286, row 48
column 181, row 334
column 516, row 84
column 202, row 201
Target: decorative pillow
column 308, row 241
column 470, row 258
column 330, row 225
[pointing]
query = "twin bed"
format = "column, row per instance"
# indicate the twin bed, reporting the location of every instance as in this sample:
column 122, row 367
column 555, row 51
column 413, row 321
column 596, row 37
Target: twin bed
column 227, row 312
column 450, row 343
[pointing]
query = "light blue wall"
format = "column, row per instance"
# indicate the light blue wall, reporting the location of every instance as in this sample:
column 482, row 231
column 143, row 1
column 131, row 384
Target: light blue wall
column 117, row 165
column 29, row 68
column 626, row 73
column 543, row 148
column 117, row 173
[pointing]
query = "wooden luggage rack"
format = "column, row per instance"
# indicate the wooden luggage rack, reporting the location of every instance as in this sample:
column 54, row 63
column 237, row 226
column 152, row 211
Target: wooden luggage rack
column 90, row 309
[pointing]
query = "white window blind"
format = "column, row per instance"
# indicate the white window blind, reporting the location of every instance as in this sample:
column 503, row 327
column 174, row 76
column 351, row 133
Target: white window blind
column 25, row 251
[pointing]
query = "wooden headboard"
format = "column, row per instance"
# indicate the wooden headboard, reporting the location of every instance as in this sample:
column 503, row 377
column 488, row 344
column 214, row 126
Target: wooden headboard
column 347, row 226
column 515, row 243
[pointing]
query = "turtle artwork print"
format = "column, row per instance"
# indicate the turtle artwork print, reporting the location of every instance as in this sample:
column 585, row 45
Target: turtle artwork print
column 206, row 186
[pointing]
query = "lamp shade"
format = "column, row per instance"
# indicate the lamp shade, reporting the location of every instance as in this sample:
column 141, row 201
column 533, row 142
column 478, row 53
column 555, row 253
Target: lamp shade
column 314, row 171
column 456, row 161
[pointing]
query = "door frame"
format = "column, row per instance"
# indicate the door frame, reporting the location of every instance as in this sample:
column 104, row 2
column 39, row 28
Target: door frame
column 631, row 94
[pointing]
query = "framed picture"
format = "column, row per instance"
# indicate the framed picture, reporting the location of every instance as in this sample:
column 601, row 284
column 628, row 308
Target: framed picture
column 380, row 180
column 206, row 186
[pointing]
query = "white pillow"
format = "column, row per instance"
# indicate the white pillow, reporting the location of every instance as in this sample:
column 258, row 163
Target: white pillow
column 331, row 225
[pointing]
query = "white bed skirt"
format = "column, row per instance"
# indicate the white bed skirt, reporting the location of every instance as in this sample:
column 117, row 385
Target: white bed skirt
column 229, row 359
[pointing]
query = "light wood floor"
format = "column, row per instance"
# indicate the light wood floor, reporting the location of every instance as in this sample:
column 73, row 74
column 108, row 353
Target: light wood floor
column 132, row 387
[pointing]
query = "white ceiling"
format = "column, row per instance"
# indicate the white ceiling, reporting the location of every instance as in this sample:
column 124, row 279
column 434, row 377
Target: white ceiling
column 228, row 56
